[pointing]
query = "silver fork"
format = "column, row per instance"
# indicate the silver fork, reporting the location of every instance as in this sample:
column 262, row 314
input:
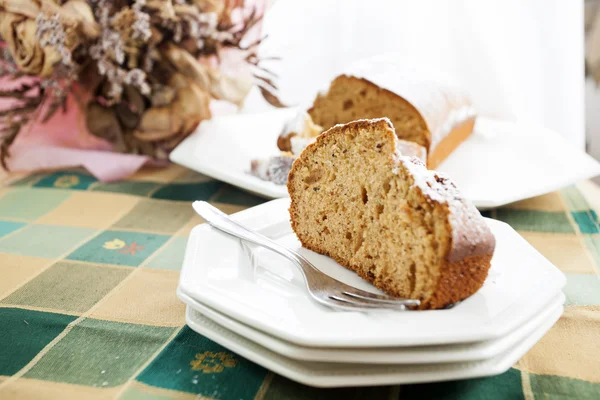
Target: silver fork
column 323, row 288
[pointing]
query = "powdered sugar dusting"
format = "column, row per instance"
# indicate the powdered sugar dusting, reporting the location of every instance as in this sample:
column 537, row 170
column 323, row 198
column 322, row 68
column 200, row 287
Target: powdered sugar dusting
column 434, row 185
column 469, row 229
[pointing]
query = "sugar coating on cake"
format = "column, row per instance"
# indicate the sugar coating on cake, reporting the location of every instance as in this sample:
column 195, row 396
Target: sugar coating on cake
column 440, row 188
column 382, row 214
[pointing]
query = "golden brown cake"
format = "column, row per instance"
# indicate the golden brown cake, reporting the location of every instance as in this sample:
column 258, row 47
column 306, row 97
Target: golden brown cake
column 435, row 115
column 400, row 226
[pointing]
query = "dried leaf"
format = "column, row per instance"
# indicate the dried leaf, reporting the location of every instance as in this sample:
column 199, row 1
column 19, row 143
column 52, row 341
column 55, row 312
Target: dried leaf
column 271, row 98
column 162, row 95
column 19, row 92
column 102, row 122
column 251, row 45
column 24, row 109
column 80, row 13
column 187, row 65
column 27, row 8
column 228, row 88
column 255, row 59
column 270, row 84
column 8, row 136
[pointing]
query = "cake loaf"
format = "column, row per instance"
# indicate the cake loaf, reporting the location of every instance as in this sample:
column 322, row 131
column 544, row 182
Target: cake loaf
column 400, row 226
column 435, row 115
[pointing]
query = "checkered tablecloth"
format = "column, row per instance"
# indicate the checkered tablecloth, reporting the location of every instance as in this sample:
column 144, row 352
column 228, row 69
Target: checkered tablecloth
column 88, row 272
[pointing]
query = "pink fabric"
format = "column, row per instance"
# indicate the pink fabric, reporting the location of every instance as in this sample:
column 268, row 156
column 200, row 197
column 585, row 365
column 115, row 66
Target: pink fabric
column 65, row 142
column 104, row 165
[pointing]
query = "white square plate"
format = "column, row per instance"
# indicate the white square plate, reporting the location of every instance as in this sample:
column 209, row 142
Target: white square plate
column 500, row 163
column 387, row 355
column 323, row 374
column 263, row 290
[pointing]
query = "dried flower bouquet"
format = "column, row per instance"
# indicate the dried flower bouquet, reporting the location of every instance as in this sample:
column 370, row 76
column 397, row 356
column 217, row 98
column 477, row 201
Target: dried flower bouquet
column 142, row 72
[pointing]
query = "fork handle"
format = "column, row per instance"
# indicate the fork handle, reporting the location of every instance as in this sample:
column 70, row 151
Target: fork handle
column 221, row 221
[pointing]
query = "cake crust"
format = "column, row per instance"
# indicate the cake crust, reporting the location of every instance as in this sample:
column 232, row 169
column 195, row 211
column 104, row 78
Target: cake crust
column 466, row 260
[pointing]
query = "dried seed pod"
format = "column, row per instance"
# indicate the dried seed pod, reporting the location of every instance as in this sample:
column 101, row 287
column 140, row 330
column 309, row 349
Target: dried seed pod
column 131, row 108
column 216, row 6
column 102, row 122
column 78, row 12
column 139, row 147
column 178, row 81
column 156, row 36
column 174, row 141
column 192, row 106
column 27, row 8
column 189, row 106
column 187, row 65
column 164, row 8
column 162, row 96
column 229, row 88
column 157, row 123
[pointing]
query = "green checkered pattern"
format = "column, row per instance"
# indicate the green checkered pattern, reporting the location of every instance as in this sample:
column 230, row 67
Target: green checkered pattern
column 88, row 273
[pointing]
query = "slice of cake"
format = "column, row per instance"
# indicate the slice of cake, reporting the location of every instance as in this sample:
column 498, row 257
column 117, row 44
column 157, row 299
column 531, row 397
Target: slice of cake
column 435, row 115
column 402, row 227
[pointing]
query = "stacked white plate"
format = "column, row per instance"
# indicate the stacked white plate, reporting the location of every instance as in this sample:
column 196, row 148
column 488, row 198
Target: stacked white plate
column 254, row 303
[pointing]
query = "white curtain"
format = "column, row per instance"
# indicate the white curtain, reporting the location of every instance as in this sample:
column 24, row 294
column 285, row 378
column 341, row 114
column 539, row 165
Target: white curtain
column 520, row 59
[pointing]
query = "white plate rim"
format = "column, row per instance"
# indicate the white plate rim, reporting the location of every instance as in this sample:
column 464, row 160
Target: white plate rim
column 328, row 376
column 403, row 355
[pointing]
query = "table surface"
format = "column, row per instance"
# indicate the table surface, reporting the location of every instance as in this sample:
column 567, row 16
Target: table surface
column 88, row 273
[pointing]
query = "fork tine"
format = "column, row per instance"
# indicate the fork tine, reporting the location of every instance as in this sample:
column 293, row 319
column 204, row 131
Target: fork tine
column 345, row 305
column 372, row 304
column 379, row 299
column 340, row 304
column 362, row 294
column 368, row 305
